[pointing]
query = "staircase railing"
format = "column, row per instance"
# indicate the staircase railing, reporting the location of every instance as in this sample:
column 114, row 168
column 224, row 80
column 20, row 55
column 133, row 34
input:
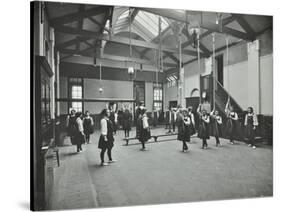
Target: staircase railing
column 223, row 94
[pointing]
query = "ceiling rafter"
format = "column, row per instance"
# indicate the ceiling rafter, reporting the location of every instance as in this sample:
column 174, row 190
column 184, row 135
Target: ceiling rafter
column 99, row 24
column 202, row 47
column 115, row 58
column 245, row 25
column 154, row 40
column 133, row 14
column 206, row 25
column 123, row 40
column 72, row 42
column 80, row 24
column 225, row 21
column 216, row 50
column 78, row 16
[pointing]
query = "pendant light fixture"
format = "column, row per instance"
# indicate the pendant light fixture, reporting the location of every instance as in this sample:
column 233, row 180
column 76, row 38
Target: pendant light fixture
column 131, row 67
column 100, row 89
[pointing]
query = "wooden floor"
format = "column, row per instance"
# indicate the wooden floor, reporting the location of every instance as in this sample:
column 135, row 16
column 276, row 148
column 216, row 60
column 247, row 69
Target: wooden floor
column 162, row 174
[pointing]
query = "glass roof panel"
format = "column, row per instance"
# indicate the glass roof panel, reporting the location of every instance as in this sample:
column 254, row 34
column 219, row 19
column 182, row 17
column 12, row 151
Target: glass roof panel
column 145, row 22
column 124, row 14
column 150, row 22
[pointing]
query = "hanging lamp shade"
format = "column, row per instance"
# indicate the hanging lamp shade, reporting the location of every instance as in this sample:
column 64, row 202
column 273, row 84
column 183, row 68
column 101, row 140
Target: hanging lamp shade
column 131, row 70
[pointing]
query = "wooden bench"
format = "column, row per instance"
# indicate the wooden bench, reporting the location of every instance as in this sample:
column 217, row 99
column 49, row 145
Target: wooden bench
column 164, row 135
column 155, row 137
column 129, row 139
column 258, row 139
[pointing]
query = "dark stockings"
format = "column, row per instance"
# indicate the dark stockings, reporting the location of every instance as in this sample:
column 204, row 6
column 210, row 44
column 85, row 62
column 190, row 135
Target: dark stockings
column 108, row 154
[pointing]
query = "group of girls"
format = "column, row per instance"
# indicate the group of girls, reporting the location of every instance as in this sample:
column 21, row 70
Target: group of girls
column 121, row 117
column 213, row 121
column 79, row 128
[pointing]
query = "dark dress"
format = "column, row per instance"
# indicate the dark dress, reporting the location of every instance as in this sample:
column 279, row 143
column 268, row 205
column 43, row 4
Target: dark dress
column 112, row 119
column 249, row 130
column 127, row 118
column 217, row 132
column 203, row 131
column 79, row 138
column 88, row 128
column 192, row 129
column 231, row 125
column 71, row 126
column 138, row 126
column 184, row 130
column 144, row 134
column 181, row 129
column 167, row 117
column 110, row 139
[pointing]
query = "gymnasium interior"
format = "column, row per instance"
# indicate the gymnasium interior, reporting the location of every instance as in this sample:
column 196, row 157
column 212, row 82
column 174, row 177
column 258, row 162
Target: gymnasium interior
column 86, row 57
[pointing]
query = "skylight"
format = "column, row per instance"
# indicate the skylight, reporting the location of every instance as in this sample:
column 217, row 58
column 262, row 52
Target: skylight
column 124, row 15
column 150, row 22
column 145, row 22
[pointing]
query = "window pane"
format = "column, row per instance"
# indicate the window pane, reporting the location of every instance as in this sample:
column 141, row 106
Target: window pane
column 77, row 106
column 76, row 92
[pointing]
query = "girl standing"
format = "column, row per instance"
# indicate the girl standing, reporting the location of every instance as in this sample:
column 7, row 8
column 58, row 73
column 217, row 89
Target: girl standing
column 70, row 125
column 217, row 123
column 251, row 122
column 184, row 130
column 88, row 125
column 127, row 119
column 79, row 135
column 203, row 131
column 144, row 129
column 192, row 123
column 232, row 118
column 106, row 138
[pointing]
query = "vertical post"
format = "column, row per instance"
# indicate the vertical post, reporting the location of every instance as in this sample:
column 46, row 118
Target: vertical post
column 227, row 65
column 199, row 68
column 58, row 83
column 214, row 73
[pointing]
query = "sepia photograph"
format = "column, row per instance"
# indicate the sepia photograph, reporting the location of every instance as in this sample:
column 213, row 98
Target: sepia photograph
column 145, row 106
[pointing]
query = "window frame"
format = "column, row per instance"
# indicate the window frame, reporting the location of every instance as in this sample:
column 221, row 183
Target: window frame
column 158, row 87
column 71, row 100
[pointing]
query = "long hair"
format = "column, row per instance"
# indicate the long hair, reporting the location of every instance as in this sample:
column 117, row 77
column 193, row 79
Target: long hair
column 103, row 113
column 78, row 114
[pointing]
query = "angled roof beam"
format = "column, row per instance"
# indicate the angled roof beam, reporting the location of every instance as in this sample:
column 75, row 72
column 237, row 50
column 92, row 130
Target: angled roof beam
column 170, row 55
column 245, row 25
column 134, row 14
column 217, row 50
column 235, row 33
column 163, row 33
column 115, row 58
column 122, row 40
column 224, row 22
column 80, row 23
column 206, row 25
column 78, row 16
column 201, row 46
column 72, row 42
column 99, row 24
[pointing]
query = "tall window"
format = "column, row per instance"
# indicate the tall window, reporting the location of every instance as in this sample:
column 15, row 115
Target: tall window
column 76, row 92
column 157, row 96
